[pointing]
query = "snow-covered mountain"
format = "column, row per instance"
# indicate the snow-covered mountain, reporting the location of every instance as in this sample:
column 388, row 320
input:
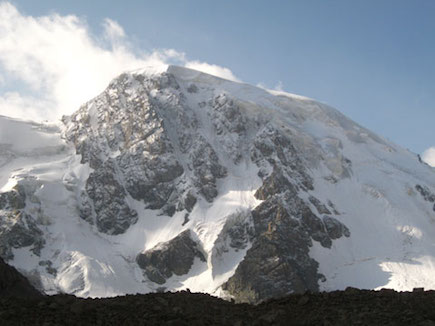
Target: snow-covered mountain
column 184, row 180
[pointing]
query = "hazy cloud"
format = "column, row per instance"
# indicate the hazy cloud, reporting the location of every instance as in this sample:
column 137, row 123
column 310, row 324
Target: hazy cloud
column 429, row 156
column 16, row 105
column 57, row 64
column 212, row 70
column 279, row 87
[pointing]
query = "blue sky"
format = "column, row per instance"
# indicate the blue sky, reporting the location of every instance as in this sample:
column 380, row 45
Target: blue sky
column 371, row 59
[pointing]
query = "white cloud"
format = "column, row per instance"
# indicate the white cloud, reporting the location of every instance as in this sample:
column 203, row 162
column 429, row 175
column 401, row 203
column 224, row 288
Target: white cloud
column 212, row 70
column 59, row 64
column 429, row 156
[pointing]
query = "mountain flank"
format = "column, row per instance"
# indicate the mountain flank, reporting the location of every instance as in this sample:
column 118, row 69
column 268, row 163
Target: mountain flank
column 181, row 180
column 13, row 284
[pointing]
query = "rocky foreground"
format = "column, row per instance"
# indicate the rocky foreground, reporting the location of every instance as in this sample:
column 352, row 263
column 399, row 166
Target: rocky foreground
column 350, row 307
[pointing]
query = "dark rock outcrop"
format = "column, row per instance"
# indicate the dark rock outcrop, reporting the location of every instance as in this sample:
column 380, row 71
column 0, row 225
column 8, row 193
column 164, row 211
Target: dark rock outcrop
column 321, row 208
column 278, row 262
column 427, row 195
column 335, row 228
column 112, row 214
column 173, row 257
column 206, row 168
column 17, row 228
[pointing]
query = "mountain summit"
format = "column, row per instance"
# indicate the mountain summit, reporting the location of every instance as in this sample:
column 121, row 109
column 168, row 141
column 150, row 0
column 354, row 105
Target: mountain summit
column 184, row 180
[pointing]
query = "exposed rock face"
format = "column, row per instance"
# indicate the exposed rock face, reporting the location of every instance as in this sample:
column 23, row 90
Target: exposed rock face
column 237, row 232
column 13, row 199
column 132, row 136
column 17, row 228
column 321, row 208
column 278, row 261
column 206, row 169
column 173, row 257
column 108, row 196
column 228, row 119
column 13, row 284
column 335, row 228
column 426, row 194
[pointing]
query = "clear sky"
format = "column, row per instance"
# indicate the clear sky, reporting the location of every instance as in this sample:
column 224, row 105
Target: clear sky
column 371, row 59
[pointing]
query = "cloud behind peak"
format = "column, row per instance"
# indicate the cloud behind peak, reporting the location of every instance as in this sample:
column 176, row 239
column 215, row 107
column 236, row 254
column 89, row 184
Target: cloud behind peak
column 55, row 63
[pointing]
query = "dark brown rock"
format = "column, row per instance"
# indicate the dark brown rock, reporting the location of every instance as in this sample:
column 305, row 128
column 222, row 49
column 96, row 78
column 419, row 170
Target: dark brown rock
column 173, row 257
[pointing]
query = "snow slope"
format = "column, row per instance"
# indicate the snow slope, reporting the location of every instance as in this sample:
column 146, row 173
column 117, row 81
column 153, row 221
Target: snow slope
column 371, row 182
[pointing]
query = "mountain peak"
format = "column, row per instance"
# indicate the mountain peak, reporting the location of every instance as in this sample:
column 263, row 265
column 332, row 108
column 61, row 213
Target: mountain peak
column 264, row 194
